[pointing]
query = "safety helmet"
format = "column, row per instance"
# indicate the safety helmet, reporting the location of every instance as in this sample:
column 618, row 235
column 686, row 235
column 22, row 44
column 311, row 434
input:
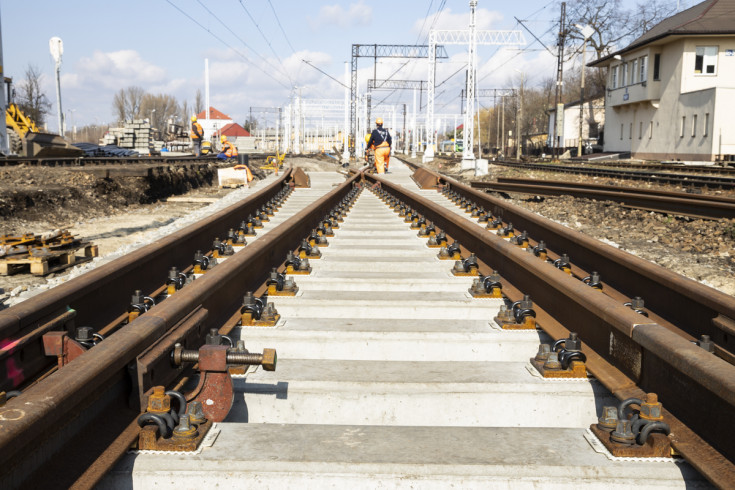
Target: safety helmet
column 379, row 121
column 367, row 137
column 193, row 118
column 223, row 138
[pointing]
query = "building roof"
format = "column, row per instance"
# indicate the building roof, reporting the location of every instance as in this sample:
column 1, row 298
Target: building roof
column 711, row 17
column 232, row 130
column 213, row 114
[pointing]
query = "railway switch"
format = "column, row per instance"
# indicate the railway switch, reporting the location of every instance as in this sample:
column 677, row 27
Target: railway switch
column 316, row 239
column 280, row 285
column 466, row 267
column 307, row 250
column 139, row 304
column 175, row 281
column 487, row 286
column 705, row 343
column 641, row 434
column 563, row 359
column 257, row 312
column 520, row 316
column 593, row 280
column 562, row 263
column 451, row 252
column 164, row 429
column 637, row 304
column 520, row 240
column 214, row 390
column 295, row 265
column 540, row 250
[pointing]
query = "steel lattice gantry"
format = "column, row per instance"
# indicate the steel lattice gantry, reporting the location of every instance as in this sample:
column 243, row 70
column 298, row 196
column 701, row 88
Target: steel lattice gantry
column 376, row 51
column 471, row 37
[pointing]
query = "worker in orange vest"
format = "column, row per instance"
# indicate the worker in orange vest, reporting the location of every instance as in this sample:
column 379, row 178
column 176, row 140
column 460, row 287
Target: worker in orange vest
column 381, row 141
column 228, row 149
column 197, row 134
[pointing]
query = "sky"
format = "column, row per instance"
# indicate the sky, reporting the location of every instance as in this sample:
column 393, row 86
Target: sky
column 256, row 49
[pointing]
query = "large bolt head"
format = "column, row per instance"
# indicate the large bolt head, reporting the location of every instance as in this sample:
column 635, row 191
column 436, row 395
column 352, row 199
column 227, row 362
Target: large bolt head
column 609, row 418
column 270, row 358
column 159, row 401
column 651, row 409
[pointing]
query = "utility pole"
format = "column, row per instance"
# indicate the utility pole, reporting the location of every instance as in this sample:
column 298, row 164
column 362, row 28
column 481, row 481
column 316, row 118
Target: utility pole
column 586, row 31
column 519, row 122
column 502, row 126
column 405, row 140
column 559, row 114
column 57, row 50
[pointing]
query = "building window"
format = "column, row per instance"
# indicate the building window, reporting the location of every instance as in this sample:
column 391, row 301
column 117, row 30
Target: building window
column 657, row 67
column 694, row 126
column 615, row 77
column 705, row 60
column 624, row 75
column 705, row 130
column 634, row 73
column 621, row 132
column 644, row 69
column 650, row 130
column 630, row 131
column 683, row 125
column 640, row 130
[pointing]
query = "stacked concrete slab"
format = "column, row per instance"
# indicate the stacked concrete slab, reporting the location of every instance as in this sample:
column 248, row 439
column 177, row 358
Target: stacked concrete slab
column 135, row 134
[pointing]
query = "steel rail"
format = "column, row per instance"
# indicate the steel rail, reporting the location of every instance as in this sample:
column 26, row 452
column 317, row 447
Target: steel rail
column 669, row 178
column 87, row 402
column 694, row 169
column 680, row 203
column 694, row 308
column 695, row 386
column 100, row 295
column 83, row 161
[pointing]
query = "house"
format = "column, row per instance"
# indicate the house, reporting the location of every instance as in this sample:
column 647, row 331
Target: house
column 217, row 120
column 593, row 120
column 670, row 93
column 238, row 135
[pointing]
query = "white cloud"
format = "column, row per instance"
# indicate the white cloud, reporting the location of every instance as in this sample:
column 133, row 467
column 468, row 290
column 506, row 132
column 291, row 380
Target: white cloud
column 337, row 16
column 484, row 19
column 118, row 69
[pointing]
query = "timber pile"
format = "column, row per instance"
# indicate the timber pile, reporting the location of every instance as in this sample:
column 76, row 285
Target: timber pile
column 43, row 254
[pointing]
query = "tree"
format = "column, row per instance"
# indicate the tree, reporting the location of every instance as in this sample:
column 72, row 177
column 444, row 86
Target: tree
column 198, row 102
column 30, row 99
column 126, row 103
column 159, row 108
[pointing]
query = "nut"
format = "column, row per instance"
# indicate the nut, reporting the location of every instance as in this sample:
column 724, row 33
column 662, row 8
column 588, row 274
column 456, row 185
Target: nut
column 651, row 408
column 159, row 401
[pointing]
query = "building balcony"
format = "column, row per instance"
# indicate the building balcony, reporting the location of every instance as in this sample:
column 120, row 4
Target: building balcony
column 649, row 91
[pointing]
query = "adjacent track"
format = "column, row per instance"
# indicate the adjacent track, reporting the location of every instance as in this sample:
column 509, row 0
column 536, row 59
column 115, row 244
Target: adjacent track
column 405, row 361
column 680, row 203
column 647, row 176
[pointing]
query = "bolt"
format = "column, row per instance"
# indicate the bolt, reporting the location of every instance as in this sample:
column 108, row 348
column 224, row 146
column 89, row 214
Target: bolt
column 185, row 431
column 608, row 421
column 137, row 297
column 543, row 352
column 552, row 362
column 573, row 343
column 705, row 343
column 623, row 433
column 651, row 408
column 213, row 337
column 83, row 334
column 159, row 401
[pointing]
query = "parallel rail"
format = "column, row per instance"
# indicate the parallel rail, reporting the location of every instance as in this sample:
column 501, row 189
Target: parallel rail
column 662, row 178
column 680, row 203
column 628, row 353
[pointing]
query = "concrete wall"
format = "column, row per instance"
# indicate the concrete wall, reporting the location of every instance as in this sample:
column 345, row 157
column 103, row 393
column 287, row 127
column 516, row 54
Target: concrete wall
column 570, row 133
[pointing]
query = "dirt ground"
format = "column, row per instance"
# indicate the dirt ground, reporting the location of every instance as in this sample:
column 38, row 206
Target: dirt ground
column 113, row 213
column 701, row 249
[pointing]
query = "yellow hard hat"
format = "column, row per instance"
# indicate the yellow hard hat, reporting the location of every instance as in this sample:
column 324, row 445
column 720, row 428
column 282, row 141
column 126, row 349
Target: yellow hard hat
column 367, row 137
column 193, row 118
column 379, row 121
column 223, row 138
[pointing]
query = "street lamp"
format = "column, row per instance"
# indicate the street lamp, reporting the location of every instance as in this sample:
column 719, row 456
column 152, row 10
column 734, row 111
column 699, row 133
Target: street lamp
column 586, row 32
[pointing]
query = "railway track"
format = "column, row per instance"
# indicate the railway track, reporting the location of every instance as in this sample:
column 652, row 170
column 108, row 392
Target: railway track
column 713, row 181
column 389, row 370
column 693, row 169
column 680, row 203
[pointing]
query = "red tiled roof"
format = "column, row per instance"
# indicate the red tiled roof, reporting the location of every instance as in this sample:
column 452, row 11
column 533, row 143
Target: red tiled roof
column 213, row 114
column 232, row 130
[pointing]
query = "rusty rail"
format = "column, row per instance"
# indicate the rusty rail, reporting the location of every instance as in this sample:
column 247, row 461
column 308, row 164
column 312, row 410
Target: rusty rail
column 99, row 296
column 682, row 203
column 87, row 404
column 629, row 352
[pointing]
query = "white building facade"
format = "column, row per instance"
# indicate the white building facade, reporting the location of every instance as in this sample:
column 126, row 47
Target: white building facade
column 671, row 93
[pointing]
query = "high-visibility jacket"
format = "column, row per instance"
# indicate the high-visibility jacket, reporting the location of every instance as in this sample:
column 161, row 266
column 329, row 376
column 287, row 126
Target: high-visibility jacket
column 229, row 149
column 196, row 132
column 379, row 137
